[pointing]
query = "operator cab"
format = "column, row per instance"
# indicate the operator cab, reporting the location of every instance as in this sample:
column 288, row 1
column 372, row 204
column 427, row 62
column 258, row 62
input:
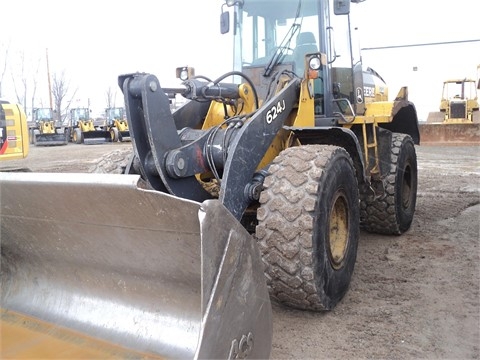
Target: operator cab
column 42, row 114
column 463, row 89
column 113, row 114
column 271, row 36
column 79, row 114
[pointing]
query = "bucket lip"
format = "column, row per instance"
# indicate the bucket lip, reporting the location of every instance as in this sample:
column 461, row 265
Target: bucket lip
column 76, row 178
column 80, row 345
column 87, row 179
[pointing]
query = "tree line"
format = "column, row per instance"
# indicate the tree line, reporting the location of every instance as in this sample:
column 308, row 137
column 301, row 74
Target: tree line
column 22, row 75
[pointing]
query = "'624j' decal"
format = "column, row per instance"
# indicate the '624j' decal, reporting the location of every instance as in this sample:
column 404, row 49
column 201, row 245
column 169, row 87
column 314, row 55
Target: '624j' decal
column 275, row 111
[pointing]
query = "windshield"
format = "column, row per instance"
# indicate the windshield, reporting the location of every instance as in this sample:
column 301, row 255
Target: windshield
column 44, row 114
column 271, row 30
column 115, row 114
column 81, row 114
column 462, row 89
column 274, row 36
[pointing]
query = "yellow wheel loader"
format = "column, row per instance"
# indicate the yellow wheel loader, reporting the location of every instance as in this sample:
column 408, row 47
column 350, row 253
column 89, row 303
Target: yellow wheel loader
column 82, row 130
column 255, row 189
column 458, row 121
column 117, row 124
column 14, row 143
column 44, row 130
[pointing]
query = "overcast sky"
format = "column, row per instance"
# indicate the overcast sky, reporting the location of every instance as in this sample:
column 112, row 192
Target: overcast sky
column 95, row 41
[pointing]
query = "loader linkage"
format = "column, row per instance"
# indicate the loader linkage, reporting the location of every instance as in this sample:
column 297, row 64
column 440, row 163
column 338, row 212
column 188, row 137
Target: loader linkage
column 170, row 163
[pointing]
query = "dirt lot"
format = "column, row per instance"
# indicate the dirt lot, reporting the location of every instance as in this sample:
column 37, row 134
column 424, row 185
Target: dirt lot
column 413, row 296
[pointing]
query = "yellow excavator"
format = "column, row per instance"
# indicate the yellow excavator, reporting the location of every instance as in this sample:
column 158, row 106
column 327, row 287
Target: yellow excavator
column 14, row 141
column 254, row 190
column 458, row 121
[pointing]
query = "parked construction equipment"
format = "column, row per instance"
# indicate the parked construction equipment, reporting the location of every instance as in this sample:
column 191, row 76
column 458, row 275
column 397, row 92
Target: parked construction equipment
column 13, row 132
column 254, row 187
column 458, row 121
column 82, row 129
column 45, row 130
column 117, row 125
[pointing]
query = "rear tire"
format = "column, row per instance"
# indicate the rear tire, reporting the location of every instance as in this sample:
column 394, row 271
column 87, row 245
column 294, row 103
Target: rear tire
column 35, row 133
column 308, row 226
column 68, row 135
column 393, row 213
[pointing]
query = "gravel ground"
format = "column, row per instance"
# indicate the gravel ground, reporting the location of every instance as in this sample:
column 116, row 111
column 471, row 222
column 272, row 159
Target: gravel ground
column 416, row 296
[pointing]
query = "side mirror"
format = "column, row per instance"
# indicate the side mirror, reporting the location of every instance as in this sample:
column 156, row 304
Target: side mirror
column 225, row 15
column 341, row 7
column 224, row 22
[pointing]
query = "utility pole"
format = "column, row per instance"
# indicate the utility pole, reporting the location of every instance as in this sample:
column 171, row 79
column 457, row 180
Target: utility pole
column 49, row 82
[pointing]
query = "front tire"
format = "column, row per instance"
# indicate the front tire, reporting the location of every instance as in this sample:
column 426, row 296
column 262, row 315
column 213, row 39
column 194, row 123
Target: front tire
column 308, row 226
column 114, row 134
column 392, row 214
column 77, row 136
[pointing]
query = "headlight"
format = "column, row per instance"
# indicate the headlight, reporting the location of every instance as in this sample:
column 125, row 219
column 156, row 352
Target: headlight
column 315, row 63
column 184, row 74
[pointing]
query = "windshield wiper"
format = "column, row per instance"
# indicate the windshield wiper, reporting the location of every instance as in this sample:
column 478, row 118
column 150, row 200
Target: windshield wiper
column 284, row 45
column 280, row 51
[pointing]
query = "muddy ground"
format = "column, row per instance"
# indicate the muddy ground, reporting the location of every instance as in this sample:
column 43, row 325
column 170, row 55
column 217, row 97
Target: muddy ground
column 416, row 296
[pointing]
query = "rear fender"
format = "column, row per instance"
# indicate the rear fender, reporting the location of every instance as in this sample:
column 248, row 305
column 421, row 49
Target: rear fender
column 404, row 120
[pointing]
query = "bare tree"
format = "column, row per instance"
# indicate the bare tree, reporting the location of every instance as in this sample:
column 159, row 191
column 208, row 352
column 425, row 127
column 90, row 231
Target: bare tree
column 60, row 90
column 25, row 80
column 110, row 97
column 20, row 73
column 3, row 64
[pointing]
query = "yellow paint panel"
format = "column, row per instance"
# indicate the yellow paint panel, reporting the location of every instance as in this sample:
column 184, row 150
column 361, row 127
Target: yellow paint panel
column 14, row 142
column 382, row 111
column 305, row 114
column 25, row 337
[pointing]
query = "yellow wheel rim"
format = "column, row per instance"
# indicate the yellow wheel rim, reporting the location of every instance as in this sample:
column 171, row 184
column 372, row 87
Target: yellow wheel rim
column 338, row 232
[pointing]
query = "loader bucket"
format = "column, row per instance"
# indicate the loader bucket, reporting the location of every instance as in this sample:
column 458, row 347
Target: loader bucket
column 50, row 139
column 450, row 134
column 435, row 117
column 125, row 136
column 96, row 256
column 96, row 137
